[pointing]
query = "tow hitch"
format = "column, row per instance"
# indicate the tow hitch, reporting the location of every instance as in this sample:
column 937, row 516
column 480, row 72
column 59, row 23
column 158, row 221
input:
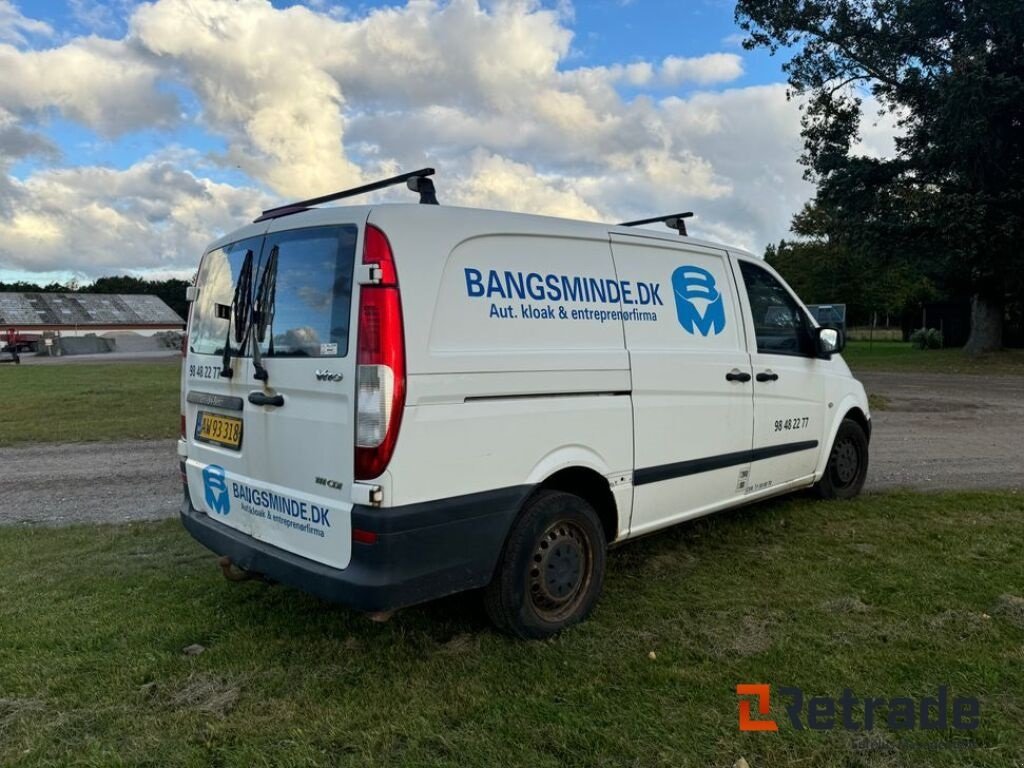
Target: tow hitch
column 233, row 573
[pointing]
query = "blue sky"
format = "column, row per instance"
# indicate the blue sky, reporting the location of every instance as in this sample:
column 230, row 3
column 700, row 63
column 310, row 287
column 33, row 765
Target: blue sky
column 147, row 111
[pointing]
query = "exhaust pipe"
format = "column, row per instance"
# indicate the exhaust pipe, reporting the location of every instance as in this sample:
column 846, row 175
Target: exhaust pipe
column 233, row 573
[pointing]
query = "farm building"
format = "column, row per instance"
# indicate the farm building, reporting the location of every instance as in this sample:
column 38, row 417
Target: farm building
column 75, row 314
column 87, row 323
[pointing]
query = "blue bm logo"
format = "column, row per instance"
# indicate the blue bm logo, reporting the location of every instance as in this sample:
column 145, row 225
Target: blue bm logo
column 216, row 489
column 689, row 283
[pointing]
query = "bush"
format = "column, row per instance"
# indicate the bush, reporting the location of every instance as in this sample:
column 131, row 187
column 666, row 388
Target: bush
column 927, row 338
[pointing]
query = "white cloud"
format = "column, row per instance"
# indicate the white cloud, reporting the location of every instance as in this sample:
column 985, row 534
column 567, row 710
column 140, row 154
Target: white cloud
column 102, row 221
column 16, row 28
column 103, row 84
column 312, row 100
column 703, row 70
column 502, row 184
column 259, row 76
column 16, row 142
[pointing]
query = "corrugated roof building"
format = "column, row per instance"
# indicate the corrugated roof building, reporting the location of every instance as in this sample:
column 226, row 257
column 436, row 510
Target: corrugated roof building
column 86, row 312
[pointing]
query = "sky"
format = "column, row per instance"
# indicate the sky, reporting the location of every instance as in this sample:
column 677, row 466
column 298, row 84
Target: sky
column 133, row 134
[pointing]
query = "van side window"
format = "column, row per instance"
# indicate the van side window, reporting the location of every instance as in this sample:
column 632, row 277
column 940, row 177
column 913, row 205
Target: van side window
column 780, row 325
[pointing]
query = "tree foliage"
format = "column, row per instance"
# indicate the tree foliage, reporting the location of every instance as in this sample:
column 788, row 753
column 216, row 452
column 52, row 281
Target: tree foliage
column 950, row 202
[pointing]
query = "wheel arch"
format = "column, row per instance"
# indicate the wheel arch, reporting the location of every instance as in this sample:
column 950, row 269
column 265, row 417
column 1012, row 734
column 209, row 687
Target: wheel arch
column 857, row 415
column 591, row 486
column 850, row 409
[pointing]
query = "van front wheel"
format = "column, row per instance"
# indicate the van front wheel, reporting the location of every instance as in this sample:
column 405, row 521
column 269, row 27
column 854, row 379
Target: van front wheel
column 551, row 571
column 847, row 463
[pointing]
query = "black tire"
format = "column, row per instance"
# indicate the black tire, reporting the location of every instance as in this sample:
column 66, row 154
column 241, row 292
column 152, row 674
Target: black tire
column 551, row 571
column 847, row 463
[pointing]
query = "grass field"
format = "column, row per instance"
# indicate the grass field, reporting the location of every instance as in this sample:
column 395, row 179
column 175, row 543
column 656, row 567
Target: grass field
column 890, row 595
column 901, row 356
column 70, row 403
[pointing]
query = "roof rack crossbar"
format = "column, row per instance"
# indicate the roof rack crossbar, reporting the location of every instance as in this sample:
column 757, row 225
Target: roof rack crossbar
column 422, row 185
column 676, row 221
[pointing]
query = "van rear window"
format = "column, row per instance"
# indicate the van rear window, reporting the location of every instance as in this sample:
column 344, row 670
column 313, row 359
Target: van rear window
column 311, row 302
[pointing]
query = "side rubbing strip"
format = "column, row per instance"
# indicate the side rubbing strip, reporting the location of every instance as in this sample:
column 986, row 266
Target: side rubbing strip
column 696, row 466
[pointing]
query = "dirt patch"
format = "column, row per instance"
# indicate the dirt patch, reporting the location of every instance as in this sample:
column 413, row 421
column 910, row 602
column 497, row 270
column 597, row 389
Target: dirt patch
column 668, row 561
column 852, row 604
column 749, row 636
column 12, row 710
column 875, row 747
column 1011, row 608
column 461, row 643
column 961, row 623
column 207, row 694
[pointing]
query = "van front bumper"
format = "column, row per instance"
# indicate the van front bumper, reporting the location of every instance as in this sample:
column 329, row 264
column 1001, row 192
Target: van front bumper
column 422, row 552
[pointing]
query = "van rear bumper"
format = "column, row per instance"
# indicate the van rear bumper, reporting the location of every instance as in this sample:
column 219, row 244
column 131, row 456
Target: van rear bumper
column 422, row 552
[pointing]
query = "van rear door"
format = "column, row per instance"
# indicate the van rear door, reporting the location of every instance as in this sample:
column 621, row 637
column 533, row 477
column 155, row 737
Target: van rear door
column 289, row 480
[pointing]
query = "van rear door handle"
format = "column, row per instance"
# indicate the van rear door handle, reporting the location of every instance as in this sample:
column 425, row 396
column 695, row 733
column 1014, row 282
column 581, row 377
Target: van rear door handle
column 767, row 376
column 258, row 398
column 737, row 375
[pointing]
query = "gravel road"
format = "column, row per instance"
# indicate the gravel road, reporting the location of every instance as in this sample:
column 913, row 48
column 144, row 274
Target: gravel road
column 946, row 431
column 59, row 483
column 939, row 432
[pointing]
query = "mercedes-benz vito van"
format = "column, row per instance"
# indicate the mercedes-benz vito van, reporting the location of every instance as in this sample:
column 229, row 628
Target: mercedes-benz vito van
column 385, row 404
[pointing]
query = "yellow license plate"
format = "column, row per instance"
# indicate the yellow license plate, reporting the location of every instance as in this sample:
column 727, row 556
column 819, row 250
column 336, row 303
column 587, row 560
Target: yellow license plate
column 221, row 430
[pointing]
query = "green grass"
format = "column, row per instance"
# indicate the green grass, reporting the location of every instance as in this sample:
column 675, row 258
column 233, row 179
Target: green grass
column 70, row 403
column 889, row 595
column 901, row 356
column 878, row 402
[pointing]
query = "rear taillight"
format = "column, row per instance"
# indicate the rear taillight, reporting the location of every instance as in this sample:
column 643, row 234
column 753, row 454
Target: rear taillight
column 380, row 362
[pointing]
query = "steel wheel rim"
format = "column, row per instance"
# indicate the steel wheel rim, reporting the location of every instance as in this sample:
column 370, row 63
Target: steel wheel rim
column 845, row 461
column 561, row 568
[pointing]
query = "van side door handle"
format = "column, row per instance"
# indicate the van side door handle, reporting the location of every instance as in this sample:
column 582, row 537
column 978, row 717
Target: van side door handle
column 737, row 375
column 767, row 376
column 258, row 398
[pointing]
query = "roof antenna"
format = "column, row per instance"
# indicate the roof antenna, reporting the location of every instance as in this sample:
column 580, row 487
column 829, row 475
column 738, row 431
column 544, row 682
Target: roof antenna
column 676, row 221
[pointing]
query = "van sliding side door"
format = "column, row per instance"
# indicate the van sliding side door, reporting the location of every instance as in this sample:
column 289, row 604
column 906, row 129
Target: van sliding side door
column 692, row 382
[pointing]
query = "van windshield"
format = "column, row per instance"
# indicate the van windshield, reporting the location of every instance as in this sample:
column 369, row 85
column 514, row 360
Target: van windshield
column 312, row 299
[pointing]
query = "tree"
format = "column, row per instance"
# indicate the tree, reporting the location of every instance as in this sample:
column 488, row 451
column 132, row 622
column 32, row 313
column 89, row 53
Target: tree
column 952, row 73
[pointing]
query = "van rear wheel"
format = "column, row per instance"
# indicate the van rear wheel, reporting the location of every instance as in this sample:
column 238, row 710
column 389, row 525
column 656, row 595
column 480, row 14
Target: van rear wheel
column 847, row 465
column 551, row 571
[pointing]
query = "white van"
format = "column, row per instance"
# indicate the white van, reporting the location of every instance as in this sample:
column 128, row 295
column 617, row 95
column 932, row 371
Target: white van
column 383, row 405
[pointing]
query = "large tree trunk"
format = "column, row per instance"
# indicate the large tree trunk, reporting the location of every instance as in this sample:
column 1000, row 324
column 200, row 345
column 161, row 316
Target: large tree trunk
column 986, row 326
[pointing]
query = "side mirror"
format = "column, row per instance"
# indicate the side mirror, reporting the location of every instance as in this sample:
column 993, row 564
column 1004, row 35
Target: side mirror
column 831, row 341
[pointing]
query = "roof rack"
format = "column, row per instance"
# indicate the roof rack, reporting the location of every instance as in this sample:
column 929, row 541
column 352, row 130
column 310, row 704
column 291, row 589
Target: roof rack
column 674, row 221
column 417, row 181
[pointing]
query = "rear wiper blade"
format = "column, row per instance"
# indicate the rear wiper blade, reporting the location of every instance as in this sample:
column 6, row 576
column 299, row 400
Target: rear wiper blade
column 263, row 314
column 239, row 313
